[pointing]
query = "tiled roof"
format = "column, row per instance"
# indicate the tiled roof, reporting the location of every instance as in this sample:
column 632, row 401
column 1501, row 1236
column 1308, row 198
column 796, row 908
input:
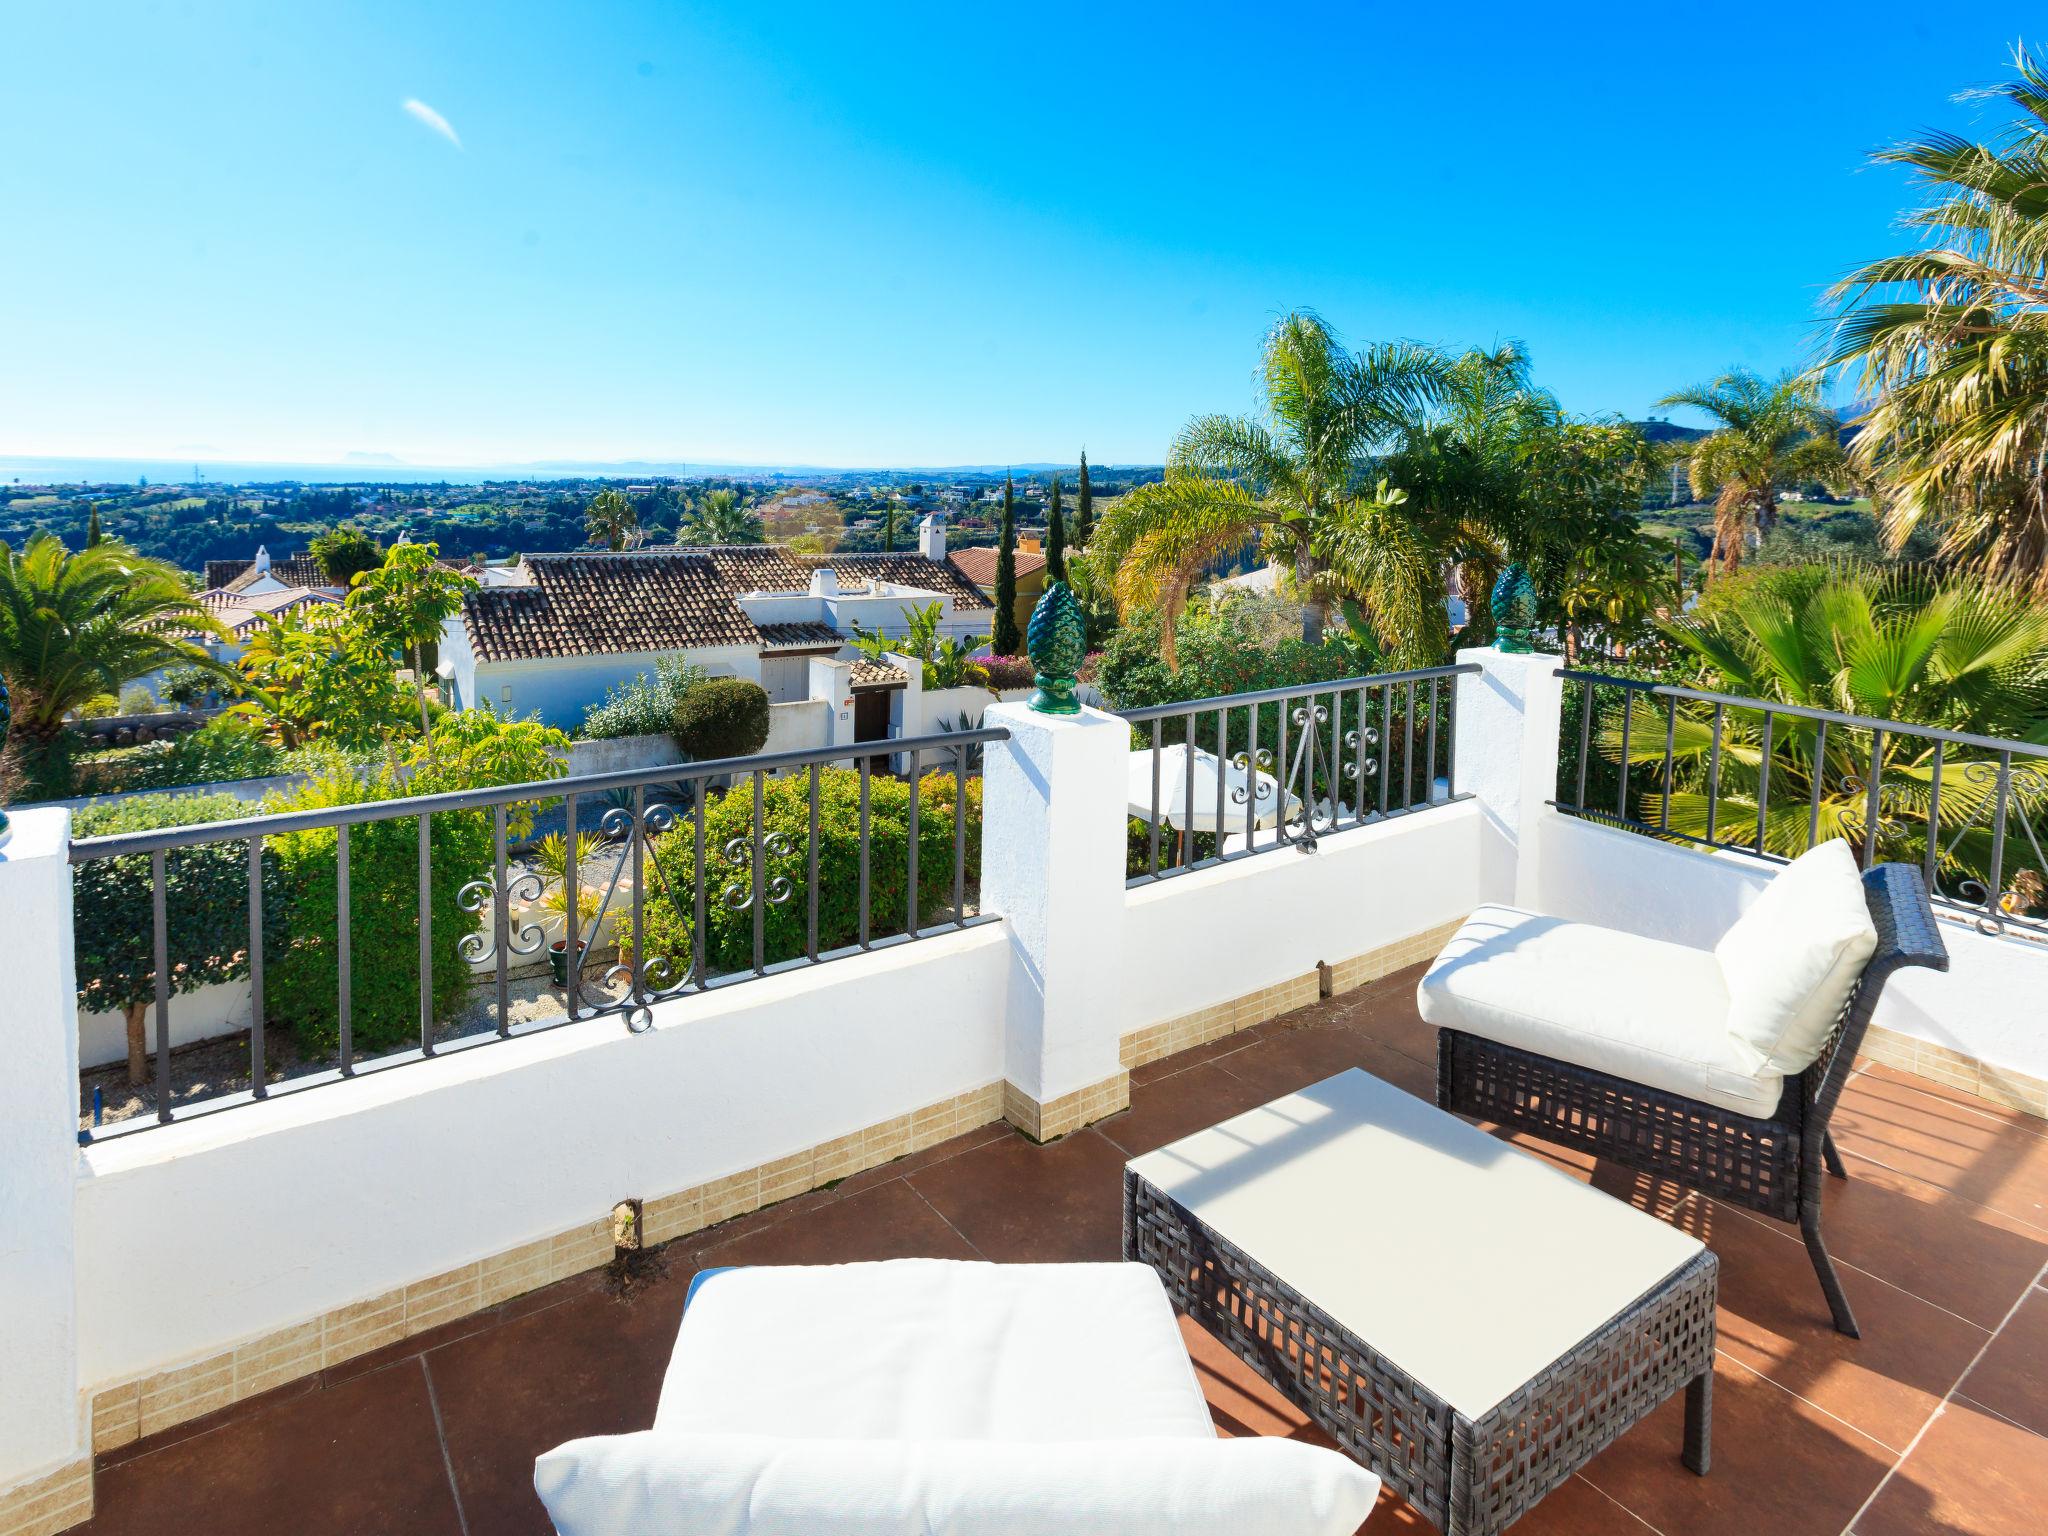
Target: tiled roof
column 908, row 571
column 878, row 674
column 808, row 636
column 234, row 575
column 594, row 605
column 244, row 613
column 979, row 565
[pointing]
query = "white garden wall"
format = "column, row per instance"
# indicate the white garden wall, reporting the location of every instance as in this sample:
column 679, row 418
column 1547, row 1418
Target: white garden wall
column 1987, row 1005
column 197, row 1235
column 1192, row 941
column 219, row 1009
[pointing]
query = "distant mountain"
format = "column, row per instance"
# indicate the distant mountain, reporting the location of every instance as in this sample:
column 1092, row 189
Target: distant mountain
column 1668, row 432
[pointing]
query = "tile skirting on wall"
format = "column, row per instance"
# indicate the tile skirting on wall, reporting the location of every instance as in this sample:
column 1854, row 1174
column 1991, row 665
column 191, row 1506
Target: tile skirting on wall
column 132, row 1409
column 1070, row 1111
column 1923, row 1058
column 1171, row 1037
column 48, row 1504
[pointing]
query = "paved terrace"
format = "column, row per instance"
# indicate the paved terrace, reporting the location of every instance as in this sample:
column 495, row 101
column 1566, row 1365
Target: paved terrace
column 1934, row 1422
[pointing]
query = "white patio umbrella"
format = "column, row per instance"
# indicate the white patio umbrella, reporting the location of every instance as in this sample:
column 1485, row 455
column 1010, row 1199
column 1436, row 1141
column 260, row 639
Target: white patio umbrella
column 1178, row 764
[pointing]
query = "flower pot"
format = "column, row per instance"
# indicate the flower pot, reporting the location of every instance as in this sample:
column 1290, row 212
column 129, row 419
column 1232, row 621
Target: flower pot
column 558, row 961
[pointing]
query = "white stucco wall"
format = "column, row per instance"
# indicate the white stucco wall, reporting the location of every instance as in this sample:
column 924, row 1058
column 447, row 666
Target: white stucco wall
column 196, row 1235
column 1191, row 941
column 38, row 1152
column 219, row 1009
column 799, row 726
column 1987, row 1005
column 561, row 689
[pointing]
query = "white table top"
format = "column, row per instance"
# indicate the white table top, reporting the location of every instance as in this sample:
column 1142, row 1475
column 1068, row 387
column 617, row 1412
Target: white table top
column 1467, row 1262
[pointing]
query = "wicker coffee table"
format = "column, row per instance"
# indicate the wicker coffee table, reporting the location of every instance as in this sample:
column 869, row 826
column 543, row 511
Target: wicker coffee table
column 1467, row 1320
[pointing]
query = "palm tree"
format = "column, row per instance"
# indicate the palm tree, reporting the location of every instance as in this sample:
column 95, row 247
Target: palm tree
column 1772, row 433
column 610, row 520
column 720, row 517
column 75, row 626
column 1298, row 479
column 1890, row 644
column 1952, row 340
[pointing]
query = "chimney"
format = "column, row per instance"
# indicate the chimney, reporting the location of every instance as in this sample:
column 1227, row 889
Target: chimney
column 931, row 536
column 262, row 561
column 824, row 582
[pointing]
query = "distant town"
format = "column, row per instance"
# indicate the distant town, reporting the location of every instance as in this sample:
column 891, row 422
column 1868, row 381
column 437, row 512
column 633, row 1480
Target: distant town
column 197, row 520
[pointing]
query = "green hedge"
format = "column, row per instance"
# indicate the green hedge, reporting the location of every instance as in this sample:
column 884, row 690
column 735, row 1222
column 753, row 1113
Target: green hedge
column 206, row 903
column 722, row 717
column 729, row 941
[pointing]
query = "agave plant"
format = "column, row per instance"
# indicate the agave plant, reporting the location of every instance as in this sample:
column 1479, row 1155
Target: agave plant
column 1894, row 645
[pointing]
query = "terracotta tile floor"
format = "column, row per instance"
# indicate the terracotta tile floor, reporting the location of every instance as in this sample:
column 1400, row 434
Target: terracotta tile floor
column 1933, row 1422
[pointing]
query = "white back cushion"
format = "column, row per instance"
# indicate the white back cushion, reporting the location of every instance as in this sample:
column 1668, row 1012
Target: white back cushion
column 658, row 1483
column 933, row 1349
column 1791, row 961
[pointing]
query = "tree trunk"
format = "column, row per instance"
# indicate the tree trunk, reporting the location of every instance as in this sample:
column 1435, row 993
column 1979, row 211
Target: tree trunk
column 419, row 684
column 138, row 1050
column 1312, row 615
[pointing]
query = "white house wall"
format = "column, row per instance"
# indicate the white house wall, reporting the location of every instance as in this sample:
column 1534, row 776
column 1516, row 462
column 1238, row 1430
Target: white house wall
column 561, row 690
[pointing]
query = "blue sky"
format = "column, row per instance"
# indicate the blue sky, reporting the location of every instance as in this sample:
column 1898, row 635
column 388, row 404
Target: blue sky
column 839, row 234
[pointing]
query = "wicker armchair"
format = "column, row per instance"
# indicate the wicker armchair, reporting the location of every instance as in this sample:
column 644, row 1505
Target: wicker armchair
column 1769, row 1165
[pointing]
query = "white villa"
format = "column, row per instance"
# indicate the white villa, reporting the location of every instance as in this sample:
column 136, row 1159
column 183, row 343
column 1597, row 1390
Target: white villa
column 585, row 622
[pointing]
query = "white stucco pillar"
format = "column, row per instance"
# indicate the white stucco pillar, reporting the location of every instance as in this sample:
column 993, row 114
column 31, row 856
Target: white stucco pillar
column 1506, row 756
column 831, row 681
column 39, row 1417
column 1053, row 865
column 906, row 704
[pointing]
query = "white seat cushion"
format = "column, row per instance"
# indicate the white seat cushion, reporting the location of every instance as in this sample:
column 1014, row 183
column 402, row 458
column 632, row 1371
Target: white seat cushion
column 1641, row 1009
column 663, row 1484
column 928, row 1349
column 1791, row 961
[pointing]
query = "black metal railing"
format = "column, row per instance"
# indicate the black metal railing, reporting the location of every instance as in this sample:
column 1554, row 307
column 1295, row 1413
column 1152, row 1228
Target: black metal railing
column 1721, row 771
column 1245, row 773
column 690, row 877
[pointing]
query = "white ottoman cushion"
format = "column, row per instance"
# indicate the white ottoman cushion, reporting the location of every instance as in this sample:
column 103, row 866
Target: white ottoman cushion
column 1791, row 961
column 1641, row 1009
column 664, row 1484
column 930, row 1349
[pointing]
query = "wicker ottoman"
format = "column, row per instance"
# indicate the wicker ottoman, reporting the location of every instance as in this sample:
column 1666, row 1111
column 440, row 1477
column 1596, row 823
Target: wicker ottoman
column 1465, row 1319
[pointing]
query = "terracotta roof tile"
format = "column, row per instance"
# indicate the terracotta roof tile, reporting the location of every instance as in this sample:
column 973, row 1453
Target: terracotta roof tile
column 807, row 636
column 234, row 575
column 979, row 565
column 878, row 674
column 908, row 571
column 594, row 605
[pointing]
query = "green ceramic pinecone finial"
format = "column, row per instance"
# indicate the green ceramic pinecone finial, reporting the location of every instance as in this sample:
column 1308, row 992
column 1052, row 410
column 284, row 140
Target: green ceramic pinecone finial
column 1057, row 642
column 1514, row 610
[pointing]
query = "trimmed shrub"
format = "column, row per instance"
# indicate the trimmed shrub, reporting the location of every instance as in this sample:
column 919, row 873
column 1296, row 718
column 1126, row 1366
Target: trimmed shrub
column 785, row 813
column 206, row 910
column 722, row 717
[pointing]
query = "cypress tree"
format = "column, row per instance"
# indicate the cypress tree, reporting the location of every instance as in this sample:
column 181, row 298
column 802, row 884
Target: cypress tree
column 1006, row 641
column 1084, row 507
column 1055, row 536
column 889, row 530
column 92, row 527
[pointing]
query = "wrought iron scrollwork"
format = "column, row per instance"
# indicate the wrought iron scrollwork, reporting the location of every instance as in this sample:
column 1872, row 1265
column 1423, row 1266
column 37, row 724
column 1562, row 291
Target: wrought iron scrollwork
column 522, row 938
column 739, row 854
